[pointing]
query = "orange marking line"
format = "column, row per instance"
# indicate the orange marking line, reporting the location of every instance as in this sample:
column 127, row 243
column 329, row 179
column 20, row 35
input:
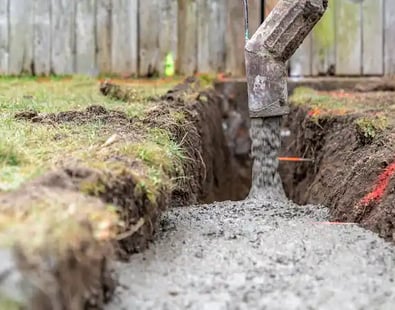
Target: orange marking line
column 380, row 188
column 295, row 159
column 334, row 223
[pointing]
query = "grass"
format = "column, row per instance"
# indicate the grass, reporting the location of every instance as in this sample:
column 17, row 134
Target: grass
column 373, row 111
column 30, row 149
column 335, row 102
column 55, row 222
column 368, row 128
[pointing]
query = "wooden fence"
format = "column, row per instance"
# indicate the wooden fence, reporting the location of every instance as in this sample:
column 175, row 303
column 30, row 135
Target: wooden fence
column 127, row 37
column 355, row 37
column 132, row 37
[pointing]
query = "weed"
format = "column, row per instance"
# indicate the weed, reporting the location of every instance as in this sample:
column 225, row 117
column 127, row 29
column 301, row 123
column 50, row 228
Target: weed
column 368, row 128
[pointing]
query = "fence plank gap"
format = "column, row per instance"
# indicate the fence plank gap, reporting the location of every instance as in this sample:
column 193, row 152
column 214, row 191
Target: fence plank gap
column 124, row 52
column 349, row 37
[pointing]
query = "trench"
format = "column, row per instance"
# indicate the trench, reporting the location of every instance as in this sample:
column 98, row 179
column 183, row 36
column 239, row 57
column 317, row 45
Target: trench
column 341, row 170
column 267, row 253
column 215, row 136
column 264, row 251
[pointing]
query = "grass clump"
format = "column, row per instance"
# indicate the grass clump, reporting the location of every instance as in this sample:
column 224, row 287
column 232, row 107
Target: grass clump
column 56, row 222
column 368, row 128
column 9, row 155
column 312, row 98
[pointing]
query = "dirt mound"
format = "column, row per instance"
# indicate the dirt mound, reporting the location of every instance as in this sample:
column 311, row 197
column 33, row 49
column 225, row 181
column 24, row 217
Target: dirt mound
column 352, row 143
column 91, row 114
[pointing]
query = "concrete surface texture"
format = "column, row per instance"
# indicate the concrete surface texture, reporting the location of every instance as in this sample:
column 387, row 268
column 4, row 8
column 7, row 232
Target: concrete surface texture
column 258, row 255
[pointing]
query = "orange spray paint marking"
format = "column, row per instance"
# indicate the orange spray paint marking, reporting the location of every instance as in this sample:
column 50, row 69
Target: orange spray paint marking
column 314, row 112
column 295, row 159
column 335, row 223
column 381, row 185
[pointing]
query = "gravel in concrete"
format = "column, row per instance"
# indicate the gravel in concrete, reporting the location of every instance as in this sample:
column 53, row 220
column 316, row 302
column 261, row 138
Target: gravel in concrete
column 258, row 255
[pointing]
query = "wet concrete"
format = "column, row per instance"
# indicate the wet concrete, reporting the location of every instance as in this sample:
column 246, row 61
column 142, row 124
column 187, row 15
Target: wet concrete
column 266, row 143
column 258, row 255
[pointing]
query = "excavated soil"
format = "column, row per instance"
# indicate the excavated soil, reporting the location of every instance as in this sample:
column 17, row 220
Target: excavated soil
column 352, row 172
column 211, row 172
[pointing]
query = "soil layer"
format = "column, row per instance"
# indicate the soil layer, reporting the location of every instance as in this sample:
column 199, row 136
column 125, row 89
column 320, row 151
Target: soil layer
column 350, row 138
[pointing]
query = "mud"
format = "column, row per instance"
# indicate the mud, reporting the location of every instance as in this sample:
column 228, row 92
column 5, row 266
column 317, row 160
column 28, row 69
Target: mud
column 258, row 255
column 266, row 142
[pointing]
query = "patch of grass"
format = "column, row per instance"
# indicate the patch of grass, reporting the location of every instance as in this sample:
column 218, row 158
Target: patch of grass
column 368, row 128
column 33, row 148
column 9, row 155
column 178, row 116
column 57, row 221
column 54, row 224
column 312, row 98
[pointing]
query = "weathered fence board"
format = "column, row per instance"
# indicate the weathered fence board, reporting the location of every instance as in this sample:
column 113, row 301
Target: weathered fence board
column 63, row 36
column 349, row 37
column 42, row 37
column 168, row 31
column 4, row 56
column 324, row 43
column 187, row 36
column 85, row 44
column 301, row 62
column 149, row 25
column 21, row 36
column 235, row 33
column 203, row 30
column 124, row 52
column 131, row 37
column 216, row 37
column 373, row 34
column 103, row 35
column 389, row 36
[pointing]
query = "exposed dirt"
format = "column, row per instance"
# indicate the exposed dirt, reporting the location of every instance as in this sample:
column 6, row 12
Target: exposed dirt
column 91, row 114
column 77, row 277
column 353, row 166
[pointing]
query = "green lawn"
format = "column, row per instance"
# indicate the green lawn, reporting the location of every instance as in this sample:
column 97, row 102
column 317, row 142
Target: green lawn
column 28, row 149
